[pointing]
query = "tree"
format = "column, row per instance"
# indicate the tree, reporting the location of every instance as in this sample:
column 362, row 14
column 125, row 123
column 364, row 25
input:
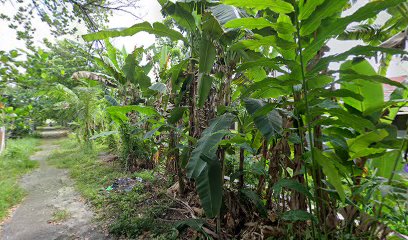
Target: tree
column 63, row 16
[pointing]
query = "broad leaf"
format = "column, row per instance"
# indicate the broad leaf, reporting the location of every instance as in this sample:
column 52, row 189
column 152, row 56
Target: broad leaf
column 119, row 112
column 207, row 55
column 327, row 9
column 269, row 124
column 298, row 215
column 278, row 6
column 330, row 171
column 204, row 87
column 158, row 29
column 176, row 114
column 207, row 144
column 337, row 26
column 103, row 134
column 209, row 186
column 291, row 184
column 372, row 92
column 308, row 8
column 259, row 23
column 385, row 164
column 366, row 51
column 360, row 146
column 158, row 87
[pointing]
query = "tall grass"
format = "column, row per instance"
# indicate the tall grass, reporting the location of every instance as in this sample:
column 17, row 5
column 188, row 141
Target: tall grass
column 14, row 162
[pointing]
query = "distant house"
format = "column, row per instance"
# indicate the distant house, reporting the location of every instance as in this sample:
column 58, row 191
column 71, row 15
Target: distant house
column 402, row 117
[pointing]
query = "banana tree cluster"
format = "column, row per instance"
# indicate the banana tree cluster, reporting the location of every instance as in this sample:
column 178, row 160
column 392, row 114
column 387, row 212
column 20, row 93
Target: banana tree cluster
column 252, row 109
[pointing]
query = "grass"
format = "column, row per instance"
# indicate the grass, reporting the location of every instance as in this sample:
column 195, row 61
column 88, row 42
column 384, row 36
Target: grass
column 129, row 214
column 60, row 215
column 15, row 162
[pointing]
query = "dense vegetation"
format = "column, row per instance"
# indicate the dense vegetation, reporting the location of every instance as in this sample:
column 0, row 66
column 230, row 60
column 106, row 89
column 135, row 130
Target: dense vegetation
column 236, row 105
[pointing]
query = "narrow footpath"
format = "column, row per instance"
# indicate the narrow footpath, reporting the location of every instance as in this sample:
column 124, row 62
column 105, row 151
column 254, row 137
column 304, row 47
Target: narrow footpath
column 50, row 194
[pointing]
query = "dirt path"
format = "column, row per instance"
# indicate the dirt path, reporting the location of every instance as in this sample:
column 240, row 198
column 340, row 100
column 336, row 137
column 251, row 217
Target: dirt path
column 50, row 192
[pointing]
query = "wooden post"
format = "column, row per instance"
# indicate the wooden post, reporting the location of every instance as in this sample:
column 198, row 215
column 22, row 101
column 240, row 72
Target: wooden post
column 2, row 138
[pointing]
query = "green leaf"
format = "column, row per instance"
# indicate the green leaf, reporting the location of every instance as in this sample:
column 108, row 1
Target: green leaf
column 207, row 55
column 259, row 23
column 249, row 23
column 291, row 184
column 209, row 186
column 103, row 134
column 265, row 62
column 298, row 215
column 119, row 112
column 111, row 70
column 256, row 200
column 350, row 75
column 112, row 53
column 204, row 87
column 372, row 92
column 366, row 51
column 175, row 73
column 261, row 42
column 196, row 224
column 158, row 29
column 327, row 93
column 269, row 124
column 345, row 118
column 385, row 163
column 337, row 26
column 331, row 172
column 158, row 87
column 181, row 13
column 327, row 9
column 176, row 114
column 308, row 8
column 207, row 144
column 211, row 27
column 360, row 146
column 278, row 6
column 130, row 66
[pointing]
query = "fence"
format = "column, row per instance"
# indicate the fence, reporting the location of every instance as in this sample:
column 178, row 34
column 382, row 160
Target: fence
column 2, row 138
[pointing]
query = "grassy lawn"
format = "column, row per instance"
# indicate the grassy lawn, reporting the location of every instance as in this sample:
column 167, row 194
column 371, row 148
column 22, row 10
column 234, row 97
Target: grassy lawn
column 130, row 214
column 14, row 162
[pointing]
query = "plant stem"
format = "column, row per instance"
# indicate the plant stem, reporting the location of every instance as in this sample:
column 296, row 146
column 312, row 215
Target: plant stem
column 308, row 118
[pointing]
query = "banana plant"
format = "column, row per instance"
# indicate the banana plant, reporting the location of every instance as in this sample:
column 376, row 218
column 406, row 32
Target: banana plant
column 291, row 38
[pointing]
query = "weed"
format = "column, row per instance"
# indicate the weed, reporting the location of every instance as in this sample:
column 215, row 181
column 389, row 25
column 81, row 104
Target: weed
column 129, row 214
column 60, row 215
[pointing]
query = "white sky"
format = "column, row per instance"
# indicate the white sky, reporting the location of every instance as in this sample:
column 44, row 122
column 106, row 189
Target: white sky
column 150, row 11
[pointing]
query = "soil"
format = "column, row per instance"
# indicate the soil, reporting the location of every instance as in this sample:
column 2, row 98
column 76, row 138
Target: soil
column 50, row 191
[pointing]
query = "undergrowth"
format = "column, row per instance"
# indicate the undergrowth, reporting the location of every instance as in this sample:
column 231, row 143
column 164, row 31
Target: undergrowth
column 14, row 162
column 128, row 214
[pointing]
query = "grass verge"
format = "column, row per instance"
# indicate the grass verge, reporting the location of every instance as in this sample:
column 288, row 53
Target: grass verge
column 130, row 214
column 15, row 162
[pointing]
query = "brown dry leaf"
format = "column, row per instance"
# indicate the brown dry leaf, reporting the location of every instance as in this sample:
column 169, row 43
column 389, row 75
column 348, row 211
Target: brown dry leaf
column 198, row 211
column 272, row 216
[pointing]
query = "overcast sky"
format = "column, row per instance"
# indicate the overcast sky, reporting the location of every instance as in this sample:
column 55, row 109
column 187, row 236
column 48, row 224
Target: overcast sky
column 150, row 11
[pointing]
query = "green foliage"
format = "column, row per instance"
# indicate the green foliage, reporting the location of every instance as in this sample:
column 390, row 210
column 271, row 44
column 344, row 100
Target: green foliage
column 157, row 28
column 246, row 90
